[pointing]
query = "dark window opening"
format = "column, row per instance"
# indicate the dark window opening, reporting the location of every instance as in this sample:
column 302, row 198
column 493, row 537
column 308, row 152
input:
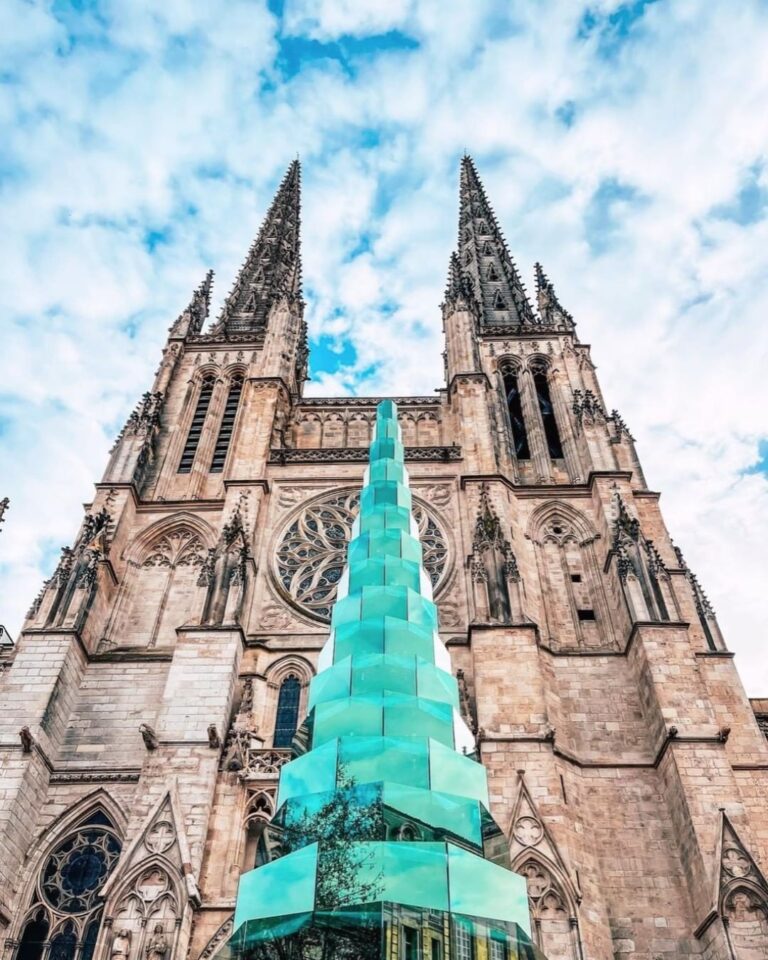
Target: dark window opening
column 287, row 712
column 410, row 943
column 575, row 578
column 34, row 939
column 515, row 408
column 586, row 614
column 196, row 427
column 548, row 416
column 227, row 425
column 437, row 951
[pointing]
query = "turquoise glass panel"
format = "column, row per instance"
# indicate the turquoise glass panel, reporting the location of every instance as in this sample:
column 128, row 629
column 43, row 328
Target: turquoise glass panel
column 436, row 684
column 452, row 773
column 334, row 682
column 283, row 887
column 485, row 889
column 312, row 773
column 376, row 673
column 367, row 759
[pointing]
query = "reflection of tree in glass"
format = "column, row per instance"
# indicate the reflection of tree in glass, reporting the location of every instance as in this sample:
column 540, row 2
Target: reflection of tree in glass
column 352, row 815
column 345, row 876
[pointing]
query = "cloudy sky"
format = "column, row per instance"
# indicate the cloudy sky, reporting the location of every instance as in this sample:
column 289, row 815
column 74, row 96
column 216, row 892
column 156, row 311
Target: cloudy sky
column 624, row 144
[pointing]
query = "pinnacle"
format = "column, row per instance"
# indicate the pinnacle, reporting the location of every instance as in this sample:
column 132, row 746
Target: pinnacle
column 272, row 266
column 551, row 311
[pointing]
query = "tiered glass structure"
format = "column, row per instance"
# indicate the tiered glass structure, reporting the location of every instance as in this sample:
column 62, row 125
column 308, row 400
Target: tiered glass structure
column 387, row 846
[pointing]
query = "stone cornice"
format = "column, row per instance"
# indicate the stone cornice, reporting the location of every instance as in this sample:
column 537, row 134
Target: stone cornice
column 554, row 489
column 368, row 401
column 289, row 455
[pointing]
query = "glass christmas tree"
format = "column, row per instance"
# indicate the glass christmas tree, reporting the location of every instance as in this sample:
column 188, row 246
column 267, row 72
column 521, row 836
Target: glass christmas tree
column 387, row 847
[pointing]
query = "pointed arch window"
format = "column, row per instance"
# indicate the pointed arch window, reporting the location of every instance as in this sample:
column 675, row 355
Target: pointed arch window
column 287, row 716
column 493, row 274
column 198, row 421
column 66, row 899
column 515, row 408
column 227, row 424
column 551, row 431
column 498, row 302
column 34, row 936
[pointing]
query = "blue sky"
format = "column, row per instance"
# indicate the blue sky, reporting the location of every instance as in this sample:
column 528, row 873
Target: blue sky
column 623, row 144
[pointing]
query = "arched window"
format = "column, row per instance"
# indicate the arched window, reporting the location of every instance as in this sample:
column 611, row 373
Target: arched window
column 227, row 424
column 515, row 408
column 66, row 908
column 287, row 717
column 64, row 943
column 547, row 414
column 34, row 936
column 196, row 427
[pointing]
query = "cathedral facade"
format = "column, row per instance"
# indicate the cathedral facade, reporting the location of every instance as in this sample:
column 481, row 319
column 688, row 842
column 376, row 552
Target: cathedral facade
column 162, row 671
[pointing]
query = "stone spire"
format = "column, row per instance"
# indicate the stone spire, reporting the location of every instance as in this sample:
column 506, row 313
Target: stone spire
column 192, row 319
column 272, row 269
column 551, row 312
column 485, row 259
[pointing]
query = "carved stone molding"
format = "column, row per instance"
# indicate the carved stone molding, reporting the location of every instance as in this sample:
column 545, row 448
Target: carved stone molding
column 285, row 455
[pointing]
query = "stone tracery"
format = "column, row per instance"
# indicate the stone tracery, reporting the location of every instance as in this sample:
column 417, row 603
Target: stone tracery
column 310, row 554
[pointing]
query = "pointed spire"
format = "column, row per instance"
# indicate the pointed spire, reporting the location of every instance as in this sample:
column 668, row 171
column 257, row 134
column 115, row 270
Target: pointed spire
column 272, row 268
column 483, row 254
column 551, row 312
column 192, row 319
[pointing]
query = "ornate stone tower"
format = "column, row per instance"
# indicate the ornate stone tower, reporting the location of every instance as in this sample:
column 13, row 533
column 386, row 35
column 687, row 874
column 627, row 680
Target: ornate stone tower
column 164, row 669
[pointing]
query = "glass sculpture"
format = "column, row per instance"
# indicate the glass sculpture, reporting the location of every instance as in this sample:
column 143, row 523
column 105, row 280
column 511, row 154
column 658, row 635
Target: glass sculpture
column 387, row 849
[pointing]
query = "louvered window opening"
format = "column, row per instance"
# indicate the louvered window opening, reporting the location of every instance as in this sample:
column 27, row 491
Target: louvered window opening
column 227, row 426
column 196, row 428
column 551, row 431
column 515, row 408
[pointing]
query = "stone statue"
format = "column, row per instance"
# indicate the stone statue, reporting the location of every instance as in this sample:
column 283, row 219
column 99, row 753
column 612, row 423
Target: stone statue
column 121, row 945
column 157, row 947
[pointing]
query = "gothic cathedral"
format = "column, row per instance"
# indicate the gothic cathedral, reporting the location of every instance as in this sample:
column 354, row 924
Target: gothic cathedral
column 162, row 672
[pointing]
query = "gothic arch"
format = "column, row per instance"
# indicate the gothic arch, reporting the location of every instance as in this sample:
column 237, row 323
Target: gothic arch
column 577, row 613
column 184, row 520
column 161, row 578
column 49, row 837
column 283, row 671
column 278, row 670
column 552, row 904
column 146, row 907
column 540, row 523
column 69, row 910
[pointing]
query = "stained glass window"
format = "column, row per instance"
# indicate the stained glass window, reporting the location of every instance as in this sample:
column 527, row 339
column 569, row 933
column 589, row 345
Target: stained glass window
column 287, row 712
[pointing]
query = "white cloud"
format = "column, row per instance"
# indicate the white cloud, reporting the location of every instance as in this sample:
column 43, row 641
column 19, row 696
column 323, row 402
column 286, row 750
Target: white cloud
column 179, row 121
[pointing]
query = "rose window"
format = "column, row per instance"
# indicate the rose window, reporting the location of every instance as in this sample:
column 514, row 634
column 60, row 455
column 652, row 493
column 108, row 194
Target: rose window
column 77, row 869
column 312, row 550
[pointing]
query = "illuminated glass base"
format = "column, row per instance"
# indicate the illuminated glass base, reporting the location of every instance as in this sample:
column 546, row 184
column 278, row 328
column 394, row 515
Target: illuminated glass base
column 382, row 931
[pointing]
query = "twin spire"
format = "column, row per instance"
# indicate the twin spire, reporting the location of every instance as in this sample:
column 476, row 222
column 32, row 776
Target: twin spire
column 482, row 275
